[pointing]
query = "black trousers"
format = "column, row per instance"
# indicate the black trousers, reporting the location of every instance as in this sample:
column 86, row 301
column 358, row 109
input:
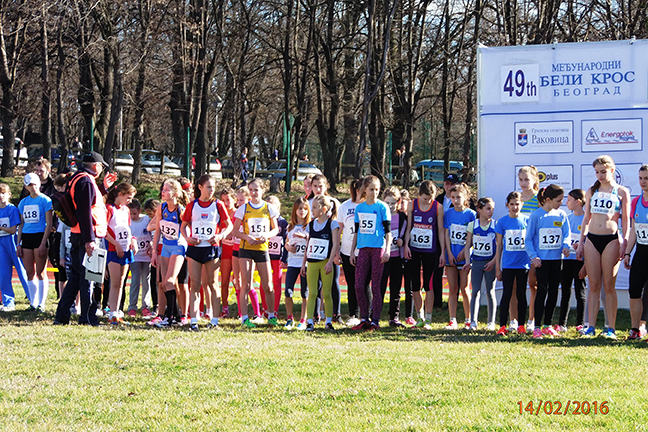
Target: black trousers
column 77, row 283
column 393, row 271
column 570, row 274
column 509, row 277
column 548, row 276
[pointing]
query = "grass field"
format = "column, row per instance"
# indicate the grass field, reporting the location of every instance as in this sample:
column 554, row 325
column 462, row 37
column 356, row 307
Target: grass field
column 139, row 378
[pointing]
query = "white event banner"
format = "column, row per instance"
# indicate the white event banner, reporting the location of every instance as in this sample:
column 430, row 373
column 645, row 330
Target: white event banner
column 558, row 107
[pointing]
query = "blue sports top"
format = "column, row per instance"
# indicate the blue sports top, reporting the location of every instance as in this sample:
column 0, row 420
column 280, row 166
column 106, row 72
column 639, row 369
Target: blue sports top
column 547, row 234
column 457, row 225
column 575, row 224
column 170, row 226
column 607, row 203
column 484, row 242
column 33, row 212
column 513, row 231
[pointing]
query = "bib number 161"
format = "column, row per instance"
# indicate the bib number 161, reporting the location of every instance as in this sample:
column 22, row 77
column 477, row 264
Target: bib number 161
column 519, row 83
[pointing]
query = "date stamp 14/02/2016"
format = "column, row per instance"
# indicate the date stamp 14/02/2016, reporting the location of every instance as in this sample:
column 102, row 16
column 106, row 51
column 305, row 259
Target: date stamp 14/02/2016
column 571, row 407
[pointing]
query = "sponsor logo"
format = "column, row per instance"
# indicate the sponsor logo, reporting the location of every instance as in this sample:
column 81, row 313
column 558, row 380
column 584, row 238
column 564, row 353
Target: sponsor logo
column 611, row 137
column 547, row 176
column 557, row 224
column 418, row 218
column 430, row 219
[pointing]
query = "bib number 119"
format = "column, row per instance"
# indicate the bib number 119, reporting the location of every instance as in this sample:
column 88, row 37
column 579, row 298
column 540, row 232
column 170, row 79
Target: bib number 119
column 520, row 83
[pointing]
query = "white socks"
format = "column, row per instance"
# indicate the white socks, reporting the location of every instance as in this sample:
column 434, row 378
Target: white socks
column 33, row 292
column 43, row 287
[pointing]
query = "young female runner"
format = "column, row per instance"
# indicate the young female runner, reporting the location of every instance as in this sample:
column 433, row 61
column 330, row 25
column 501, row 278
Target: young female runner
column 33, row 232
column 512, row 261
column 393, row 269
column 572, row 267
column 121, row 244
column 228, row 199
column 547, row 235
column 276, row 251
column 373, row 239
column 296, row 240
column 323, row 244
column 208, row 223
column 529, row 181
column 455, row 222
column 168, row 218
column 638, row 269
column 481, row 235
column 605, row 201
column 259, row 222
column 346, row 215
column 424, row 226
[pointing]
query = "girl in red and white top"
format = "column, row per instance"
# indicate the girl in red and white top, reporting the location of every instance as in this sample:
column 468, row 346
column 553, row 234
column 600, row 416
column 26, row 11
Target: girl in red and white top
column 121, row 244
column 208, row 224
column 228, row 199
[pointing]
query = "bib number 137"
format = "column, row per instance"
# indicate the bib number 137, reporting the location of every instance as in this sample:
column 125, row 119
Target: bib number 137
column 520, row 83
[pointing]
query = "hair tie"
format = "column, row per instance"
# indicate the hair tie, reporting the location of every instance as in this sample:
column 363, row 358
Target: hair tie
column 186, row 186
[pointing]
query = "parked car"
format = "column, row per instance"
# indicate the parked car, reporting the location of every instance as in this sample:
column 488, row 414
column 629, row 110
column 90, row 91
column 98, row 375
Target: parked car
column 23, row 151
column 124, row 162
column 433, row 169
column 277, row 169
column 36, row 151
column 152, row 162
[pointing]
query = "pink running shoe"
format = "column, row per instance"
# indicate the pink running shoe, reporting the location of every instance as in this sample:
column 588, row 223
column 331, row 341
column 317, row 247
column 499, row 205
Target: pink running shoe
column 155, row 320
column 537, row 333
column 132, row 313
column 146, row 313
column 410, row 321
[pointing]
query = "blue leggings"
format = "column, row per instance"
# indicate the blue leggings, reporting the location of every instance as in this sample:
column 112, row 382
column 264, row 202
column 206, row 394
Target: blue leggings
column 8, row 260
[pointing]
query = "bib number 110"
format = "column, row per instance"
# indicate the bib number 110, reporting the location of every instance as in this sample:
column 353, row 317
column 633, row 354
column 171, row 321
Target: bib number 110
column 520, row 83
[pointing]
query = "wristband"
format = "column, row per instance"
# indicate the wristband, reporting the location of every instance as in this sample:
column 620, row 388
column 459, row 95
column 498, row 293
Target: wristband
column 626, row 254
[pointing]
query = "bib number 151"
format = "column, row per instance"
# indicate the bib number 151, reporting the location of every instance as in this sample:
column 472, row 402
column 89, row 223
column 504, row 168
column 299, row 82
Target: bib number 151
column 520, row 83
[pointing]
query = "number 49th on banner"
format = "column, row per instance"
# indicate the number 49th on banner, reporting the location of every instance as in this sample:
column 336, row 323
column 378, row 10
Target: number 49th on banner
column 519, row 83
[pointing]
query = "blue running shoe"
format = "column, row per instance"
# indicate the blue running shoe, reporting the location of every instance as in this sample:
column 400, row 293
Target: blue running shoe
column 589, row 331
column 609, row 334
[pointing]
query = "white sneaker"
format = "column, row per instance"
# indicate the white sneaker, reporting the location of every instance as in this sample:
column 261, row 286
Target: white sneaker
column 120, row 314
column 530, row 326
column 452, row 325
column 473, row 327
column 467, row 324
column 74, row 311
column 490, row 326
column 258, row 320
column 99, row 313
column 513, row 325
column 352, row 322
column 9, row 308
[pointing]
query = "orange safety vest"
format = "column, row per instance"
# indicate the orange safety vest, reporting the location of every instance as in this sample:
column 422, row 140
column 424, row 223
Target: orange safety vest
column 98, row 209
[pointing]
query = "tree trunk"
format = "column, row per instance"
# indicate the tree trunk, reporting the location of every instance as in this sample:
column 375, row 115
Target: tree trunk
column 60, row 124
column 138, row 123
column 46, row 103
column 115, row 112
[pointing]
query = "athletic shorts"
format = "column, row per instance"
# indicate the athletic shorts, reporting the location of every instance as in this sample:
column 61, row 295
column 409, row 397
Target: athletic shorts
column 183, row 276
column 226, row 252
column 167, row 251
column 202, row 254
column 125, row 260
column 254, row 255
column 32, row 241
column 235, row 253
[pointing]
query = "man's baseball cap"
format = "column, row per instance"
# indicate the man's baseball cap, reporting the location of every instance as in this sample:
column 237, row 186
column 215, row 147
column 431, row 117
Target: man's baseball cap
column 94, row 157
column 32, row 178
column 452, row 178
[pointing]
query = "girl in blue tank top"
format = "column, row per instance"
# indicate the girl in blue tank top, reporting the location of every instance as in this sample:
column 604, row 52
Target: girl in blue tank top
column 456, row 222
column 481, row 235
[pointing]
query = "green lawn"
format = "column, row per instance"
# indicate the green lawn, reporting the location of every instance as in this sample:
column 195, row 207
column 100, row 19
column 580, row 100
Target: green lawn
column 138, row 378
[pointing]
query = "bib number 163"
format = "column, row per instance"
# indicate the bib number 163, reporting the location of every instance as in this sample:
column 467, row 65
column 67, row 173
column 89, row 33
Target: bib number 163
column 519, row 83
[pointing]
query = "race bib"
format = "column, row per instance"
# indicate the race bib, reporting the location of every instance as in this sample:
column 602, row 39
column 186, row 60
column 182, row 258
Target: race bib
column 123, row 237
column 458, row 234
column 603, row 203
column 31, row 214
column 550, row 238
column 203, row 230
column 421, row 238
column 170, row 230
column 642, row 233
column 4, row 223
column 141, row 246
column 317, row 249
column 274, row 245
column 514, row 240
column 483, row 246
column 394, row 245
column 574, row 238
column 367, row 223
column 258, row 227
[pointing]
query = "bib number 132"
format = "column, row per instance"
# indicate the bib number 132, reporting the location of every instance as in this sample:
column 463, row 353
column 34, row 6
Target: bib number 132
column 520, row 83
